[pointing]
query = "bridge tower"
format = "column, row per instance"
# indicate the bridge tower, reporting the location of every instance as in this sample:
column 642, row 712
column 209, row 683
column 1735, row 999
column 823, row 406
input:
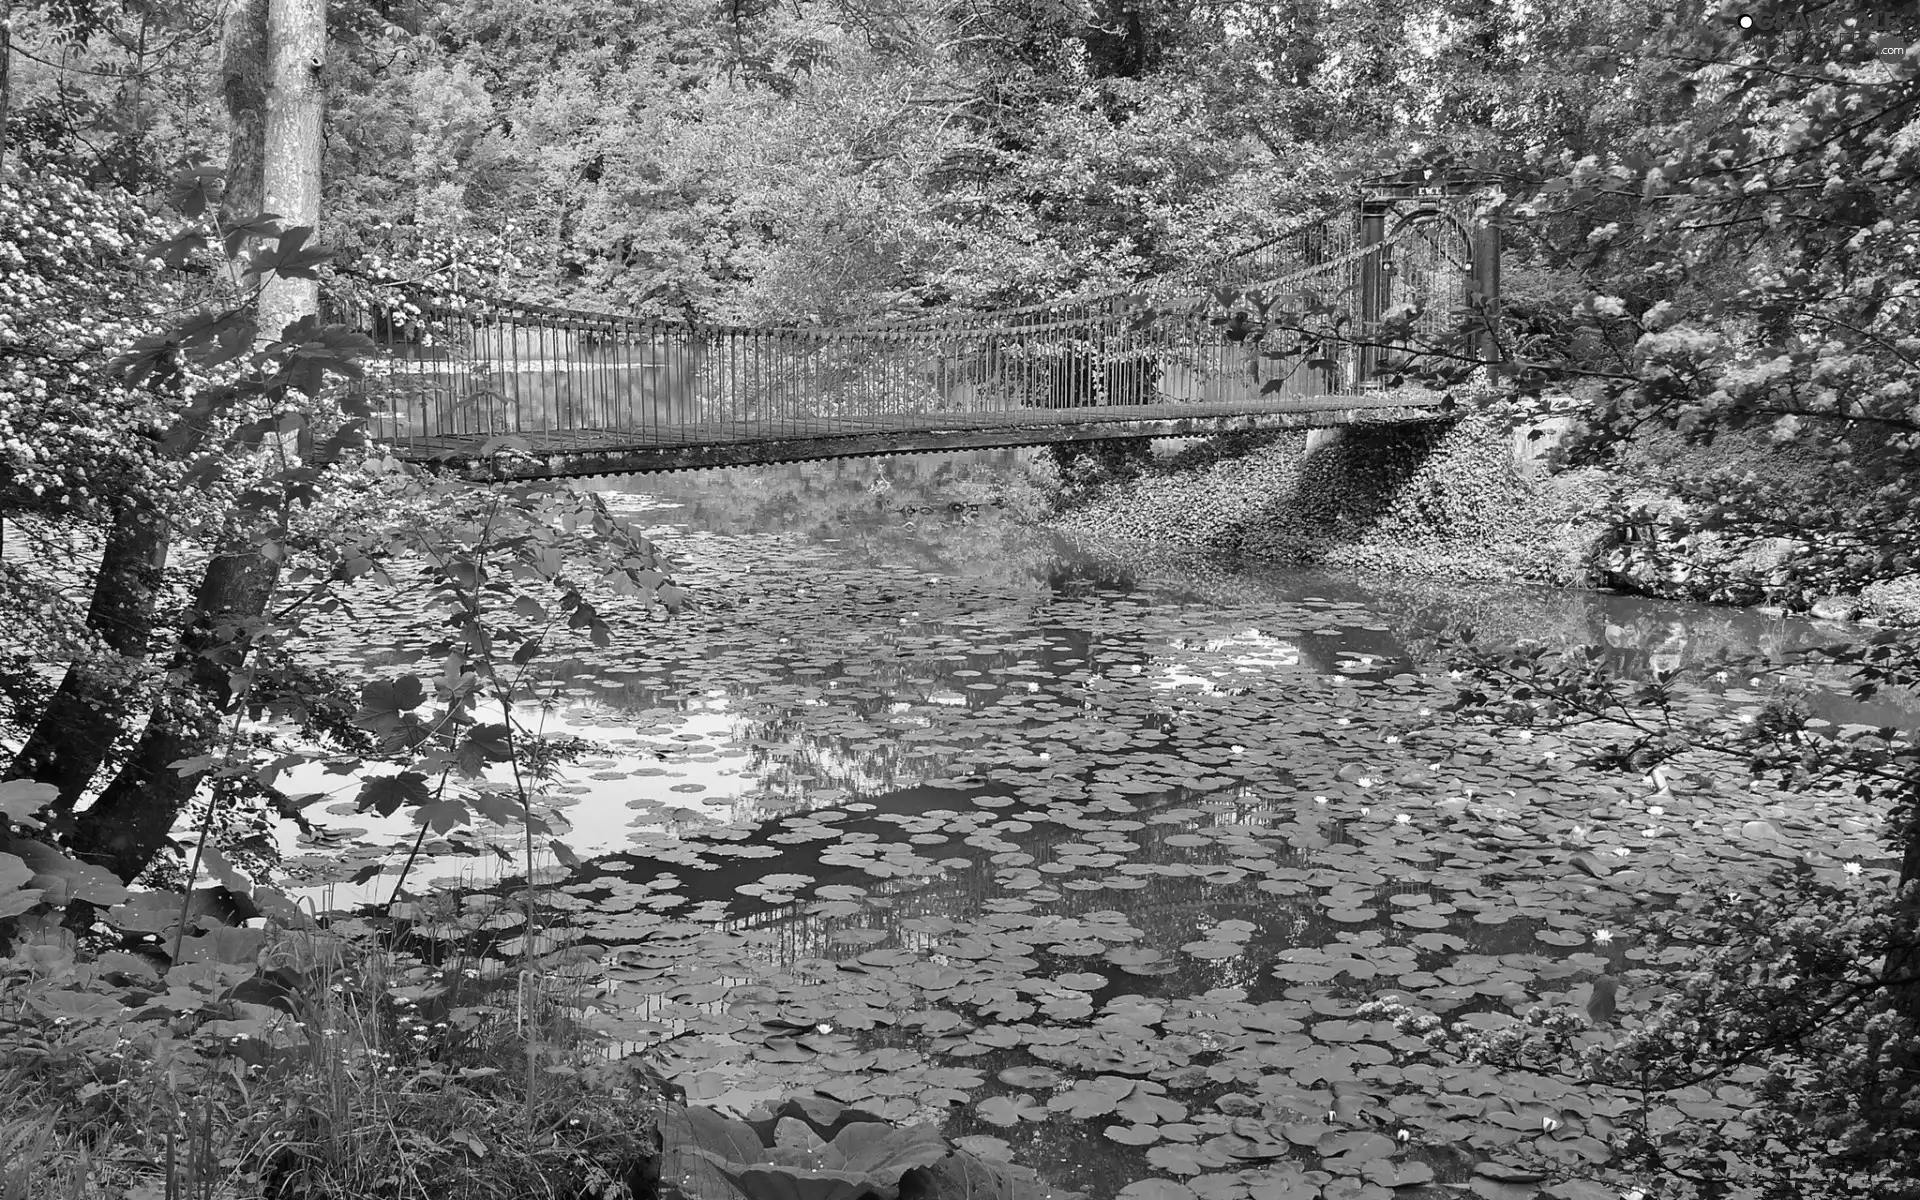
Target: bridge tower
column 1446, row 261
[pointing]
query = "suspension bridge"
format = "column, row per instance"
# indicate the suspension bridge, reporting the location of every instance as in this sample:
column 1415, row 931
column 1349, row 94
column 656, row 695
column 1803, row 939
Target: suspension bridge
column 501, row 390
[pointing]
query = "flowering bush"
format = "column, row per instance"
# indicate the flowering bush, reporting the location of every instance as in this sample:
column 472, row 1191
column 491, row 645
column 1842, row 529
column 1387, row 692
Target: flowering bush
column 76, row 287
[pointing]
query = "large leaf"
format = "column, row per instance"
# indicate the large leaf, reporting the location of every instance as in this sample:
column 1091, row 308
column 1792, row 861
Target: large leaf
column 20, row 799
column 885, row 1153
column 65, row 879
column 964, row 1176
column 146, row 912
column 732, row 1141
column 385, row 794
column 790, row 1183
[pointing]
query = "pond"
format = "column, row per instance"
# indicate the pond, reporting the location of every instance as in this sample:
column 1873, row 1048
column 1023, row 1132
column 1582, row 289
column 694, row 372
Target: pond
column 1095, row 863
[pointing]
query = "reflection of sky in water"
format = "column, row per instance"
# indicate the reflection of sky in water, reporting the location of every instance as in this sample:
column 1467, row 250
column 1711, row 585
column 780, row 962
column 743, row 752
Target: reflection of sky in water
column 813, row 691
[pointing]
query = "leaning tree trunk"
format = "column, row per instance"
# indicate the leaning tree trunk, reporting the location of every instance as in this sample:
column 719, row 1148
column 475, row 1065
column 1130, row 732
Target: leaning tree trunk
column 78, row 727
column 129, row 823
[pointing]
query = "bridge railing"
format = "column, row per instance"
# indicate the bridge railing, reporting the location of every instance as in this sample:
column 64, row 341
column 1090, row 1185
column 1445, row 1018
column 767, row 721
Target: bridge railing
column 560, row 377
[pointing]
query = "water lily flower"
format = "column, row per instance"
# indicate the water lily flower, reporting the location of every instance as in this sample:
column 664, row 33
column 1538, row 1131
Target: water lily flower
column 1402, row 819
column 1319, row 799
column 824, row 1027
column 1402, row 1136
column 1548, row 1124
column 1453, row 674
column 1392, row 740
column 1342, row 720
column 1033, row 687
column 1603, row 936
column 1426, row 712
column 1650, row 831
column 1655, row 811
column 1551, row 754
column 1852, row 868
column 1045, row 754
column 1239, row 749
column 1365, row 811
column 1621, row 851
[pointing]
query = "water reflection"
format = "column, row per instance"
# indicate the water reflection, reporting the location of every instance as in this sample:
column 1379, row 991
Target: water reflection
column 940, row 750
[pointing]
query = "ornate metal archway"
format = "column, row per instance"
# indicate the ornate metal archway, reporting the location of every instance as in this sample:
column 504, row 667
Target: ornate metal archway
column 1432, row 254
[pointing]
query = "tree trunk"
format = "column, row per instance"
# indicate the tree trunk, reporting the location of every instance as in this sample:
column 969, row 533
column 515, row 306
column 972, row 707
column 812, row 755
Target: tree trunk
column 6, row 74
column 129, row 823
column 243, row 86
column 297, row 47
column 75, row 732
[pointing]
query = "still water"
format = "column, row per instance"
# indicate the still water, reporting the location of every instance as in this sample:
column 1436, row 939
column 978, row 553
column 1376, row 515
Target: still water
column 1093, row 861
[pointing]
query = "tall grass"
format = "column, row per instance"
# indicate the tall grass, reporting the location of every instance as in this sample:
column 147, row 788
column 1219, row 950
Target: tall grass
column 348, row 1063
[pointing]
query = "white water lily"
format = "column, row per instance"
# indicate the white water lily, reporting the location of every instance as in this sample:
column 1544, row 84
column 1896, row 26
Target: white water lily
column 1655, row 811
column 1621, row 851
column 1551, row 754
column 1239, row 749
column 1365, row 811
column 1426, row 712
column 1603, row 936
column 1852, row 868
column 1402, row 819
column 1319, row 799
column 1033, row 687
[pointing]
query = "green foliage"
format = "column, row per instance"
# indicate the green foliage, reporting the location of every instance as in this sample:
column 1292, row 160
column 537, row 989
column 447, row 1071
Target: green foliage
column 305, row 1064
column 1806, row 994
column 819, row 1150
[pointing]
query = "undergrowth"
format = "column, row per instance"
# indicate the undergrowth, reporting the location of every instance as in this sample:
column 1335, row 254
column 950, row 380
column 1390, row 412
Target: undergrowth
column 296, row 1064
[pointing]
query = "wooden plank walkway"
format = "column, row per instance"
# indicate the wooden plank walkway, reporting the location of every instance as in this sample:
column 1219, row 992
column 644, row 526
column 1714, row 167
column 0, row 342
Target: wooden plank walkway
column 576, row 453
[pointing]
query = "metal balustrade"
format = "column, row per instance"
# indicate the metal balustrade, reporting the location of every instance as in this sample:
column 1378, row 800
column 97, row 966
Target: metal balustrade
column 578, row 392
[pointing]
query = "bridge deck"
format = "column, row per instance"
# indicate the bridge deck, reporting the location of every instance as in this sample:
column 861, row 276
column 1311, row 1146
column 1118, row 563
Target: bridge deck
column 551, row 454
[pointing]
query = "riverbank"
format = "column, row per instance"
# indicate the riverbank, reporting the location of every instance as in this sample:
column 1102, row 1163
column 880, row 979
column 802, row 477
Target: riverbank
column 1466, row 500
column 1442, row 500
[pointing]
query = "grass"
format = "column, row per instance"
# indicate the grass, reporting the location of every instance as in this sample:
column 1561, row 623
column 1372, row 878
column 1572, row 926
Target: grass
column 299, row 1064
